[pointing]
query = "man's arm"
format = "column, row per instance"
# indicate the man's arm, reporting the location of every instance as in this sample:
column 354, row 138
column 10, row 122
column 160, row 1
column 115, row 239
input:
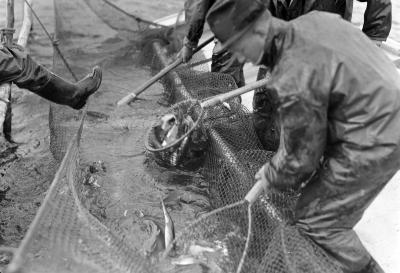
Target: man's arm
column 377, row 19
column 302, row 142
column 196, row 24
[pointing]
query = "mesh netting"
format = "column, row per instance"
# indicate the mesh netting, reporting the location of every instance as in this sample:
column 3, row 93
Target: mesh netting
column 66, row 237
column 260, row 236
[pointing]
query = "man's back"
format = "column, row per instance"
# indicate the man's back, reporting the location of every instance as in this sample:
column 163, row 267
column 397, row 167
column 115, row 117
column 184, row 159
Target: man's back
column 354, row 80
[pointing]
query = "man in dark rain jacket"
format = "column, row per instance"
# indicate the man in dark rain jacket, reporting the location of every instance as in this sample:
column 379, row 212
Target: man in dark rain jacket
column 339, row 112
column 377, row 16
column 377, row 25
column 17, row 66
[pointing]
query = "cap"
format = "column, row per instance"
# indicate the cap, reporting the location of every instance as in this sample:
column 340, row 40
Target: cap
column 229, row 18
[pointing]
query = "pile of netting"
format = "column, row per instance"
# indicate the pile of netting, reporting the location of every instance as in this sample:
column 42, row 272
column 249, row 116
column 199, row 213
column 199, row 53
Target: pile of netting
column 66, row 237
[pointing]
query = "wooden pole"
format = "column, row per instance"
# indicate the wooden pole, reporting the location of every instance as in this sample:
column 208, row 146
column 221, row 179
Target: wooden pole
column 5, row 89
column 132, row 96
column 26, row 24
column 234, row 93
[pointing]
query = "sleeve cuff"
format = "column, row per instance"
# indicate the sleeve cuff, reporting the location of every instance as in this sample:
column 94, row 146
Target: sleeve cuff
column 189, row 44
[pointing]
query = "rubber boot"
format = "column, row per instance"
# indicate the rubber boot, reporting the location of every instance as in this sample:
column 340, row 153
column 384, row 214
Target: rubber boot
column 74, row 95
column 372, row 267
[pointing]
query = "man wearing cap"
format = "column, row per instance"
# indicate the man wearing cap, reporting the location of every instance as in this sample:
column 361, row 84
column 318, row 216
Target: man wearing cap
column 339, row 112
column 18, row 67
column 377, row 25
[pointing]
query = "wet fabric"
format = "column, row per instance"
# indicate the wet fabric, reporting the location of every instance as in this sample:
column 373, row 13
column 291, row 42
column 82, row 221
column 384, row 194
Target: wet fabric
column 342, row 105
column 338, row 110
column 377, row 25
column 225, row 62
column 265, row 114
column 18, row 67
column 222, row 61
column 377, row 16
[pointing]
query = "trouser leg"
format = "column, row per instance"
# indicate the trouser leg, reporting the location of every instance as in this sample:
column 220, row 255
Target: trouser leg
column 327, row 211
column 18, row 67
column 265, row 115
column 225, row 62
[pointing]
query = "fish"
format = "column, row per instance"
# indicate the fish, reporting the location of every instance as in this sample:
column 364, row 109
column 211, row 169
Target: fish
column 171, row 136
column 197, row 250
column 169, row 227
column 155, row 243
column 97, row 115
column 185, row 260
column 167, row 121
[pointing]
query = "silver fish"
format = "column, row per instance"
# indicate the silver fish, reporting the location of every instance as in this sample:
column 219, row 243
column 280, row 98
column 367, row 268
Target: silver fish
column 197, row 250
column 185, row 260
column 171, row 136
column 169, row 227
column 167, row 121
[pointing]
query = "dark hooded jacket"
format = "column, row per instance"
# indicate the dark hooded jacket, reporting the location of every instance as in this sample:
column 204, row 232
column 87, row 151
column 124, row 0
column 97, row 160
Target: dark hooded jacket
column 377, row 17
column 336, row 102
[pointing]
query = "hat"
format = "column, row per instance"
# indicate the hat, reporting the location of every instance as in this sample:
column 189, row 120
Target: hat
column 228, row 18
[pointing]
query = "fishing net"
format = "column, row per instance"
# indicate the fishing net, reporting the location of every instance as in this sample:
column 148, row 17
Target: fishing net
column 66, row 237
column 236, row 237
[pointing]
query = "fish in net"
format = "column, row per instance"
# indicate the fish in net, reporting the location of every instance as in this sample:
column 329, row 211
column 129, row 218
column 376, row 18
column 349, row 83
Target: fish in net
column 238, row 236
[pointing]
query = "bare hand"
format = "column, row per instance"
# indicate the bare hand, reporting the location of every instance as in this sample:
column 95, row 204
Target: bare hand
column 186, row 53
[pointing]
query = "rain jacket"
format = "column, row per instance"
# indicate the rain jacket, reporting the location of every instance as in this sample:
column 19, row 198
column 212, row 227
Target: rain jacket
column 339, row 114
column 377, row 16
column 377, row 24
column 18, row 67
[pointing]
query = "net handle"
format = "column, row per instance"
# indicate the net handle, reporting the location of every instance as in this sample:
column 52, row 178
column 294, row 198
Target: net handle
column 132, row 96
column 234, row 93
column 255, row 192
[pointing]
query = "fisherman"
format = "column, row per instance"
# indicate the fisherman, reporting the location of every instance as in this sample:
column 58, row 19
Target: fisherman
column 222, row 60
column 377, row 25
column 18, row 67
column 377, row 16
column 339, row 112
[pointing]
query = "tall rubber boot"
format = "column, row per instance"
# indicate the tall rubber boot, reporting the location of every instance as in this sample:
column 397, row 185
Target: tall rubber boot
column 65, row 92
column 372, row 267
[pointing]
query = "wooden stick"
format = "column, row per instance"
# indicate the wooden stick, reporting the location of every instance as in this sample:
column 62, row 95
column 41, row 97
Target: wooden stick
column 129, row 98
column 234, row 93
column 26, row 24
